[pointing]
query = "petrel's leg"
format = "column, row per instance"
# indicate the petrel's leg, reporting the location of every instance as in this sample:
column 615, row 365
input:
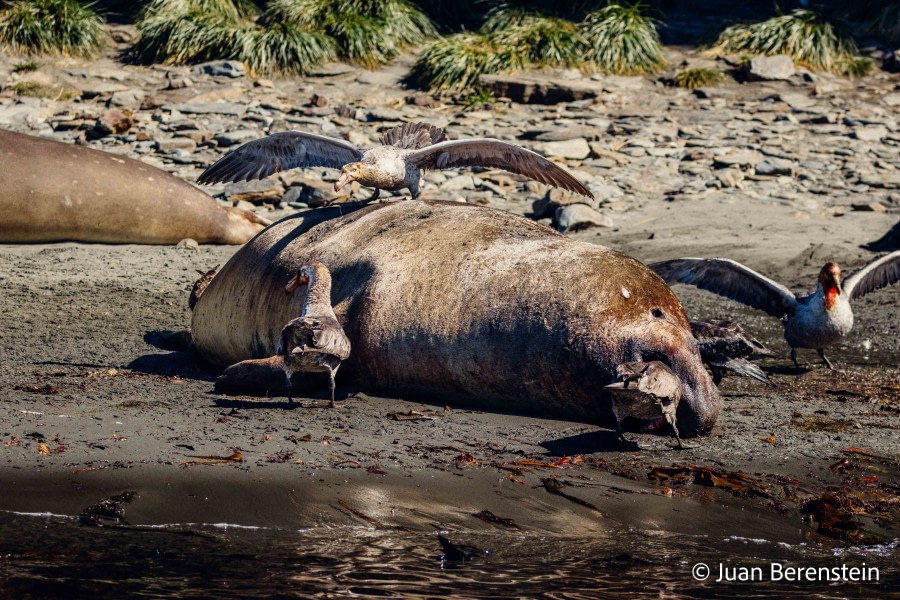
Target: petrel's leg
column 374, row 196
column 680, row 445
column 717, row 375
column 824, row 358
column 794, row 358
column 331, row 374
column 290, row 398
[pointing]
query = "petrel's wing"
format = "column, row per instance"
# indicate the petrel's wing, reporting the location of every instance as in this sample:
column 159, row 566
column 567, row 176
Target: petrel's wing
column 878, row 274
column 278, row 152
column 730, row 279
column 497, row 155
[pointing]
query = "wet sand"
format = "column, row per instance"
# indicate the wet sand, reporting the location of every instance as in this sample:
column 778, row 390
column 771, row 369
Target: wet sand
column 93, row 406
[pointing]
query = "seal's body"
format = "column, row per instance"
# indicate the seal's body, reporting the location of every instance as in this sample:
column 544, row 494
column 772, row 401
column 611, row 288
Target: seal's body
column 51, row 192
column 463, row 304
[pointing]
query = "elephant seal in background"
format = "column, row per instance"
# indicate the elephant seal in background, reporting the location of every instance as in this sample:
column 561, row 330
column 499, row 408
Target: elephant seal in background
column 53, row 192
column 463, row 304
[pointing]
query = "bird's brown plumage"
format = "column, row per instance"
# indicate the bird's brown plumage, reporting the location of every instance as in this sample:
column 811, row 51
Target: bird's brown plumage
column 405, row 151
column 315, row 341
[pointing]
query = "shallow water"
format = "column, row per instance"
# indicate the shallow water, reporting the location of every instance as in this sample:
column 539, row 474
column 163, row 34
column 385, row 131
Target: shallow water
column 54, row 556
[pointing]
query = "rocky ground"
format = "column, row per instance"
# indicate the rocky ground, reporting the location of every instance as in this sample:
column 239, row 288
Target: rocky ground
column 783, row 175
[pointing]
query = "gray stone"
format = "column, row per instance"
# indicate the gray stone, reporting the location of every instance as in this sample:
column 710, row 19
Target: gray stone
column 230, row 138
column 130, row 99
column 460, row 182
column 257, row 191
column 558, row 134
column 577, row 148
column 872, row 133
column 534, row 89
column 888, row 179
column 775, row 166
column 221, row 68
column 176, row 143
column 770, row 68
column 738, row 158
column 234, row 109
column 575, row 217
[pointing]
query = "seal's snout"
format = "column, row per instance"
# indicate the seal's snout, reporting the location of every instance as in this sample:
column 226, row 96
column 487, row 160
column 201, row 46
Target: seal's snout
column 700, row 402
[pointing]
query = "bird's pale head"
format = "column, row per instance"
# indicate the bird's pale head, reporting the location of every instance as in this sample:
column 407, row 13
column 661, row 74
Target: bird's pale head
column 302, row 278
column 349, row 172
column 830, row 280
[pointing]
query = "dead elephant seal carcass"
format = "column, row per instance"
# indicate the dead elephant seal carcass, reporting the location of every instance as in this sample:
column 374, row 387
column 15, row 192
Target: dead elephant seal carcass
column 463, row 304
column 54, row 192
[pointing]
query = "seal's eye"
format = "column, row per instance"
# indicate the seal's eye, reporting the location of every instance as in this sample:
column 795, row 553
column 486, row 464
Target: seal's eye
column 657, row 313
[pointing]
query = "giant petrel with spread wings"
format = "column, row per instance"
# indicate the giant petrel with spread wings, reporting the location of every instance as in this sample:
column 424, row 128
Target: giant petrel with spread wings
column 398, row 163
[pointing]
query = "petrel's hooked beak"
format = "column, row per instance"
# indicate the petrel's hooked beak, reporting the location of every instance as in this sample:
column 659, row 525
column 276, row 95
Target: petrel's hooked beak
column 343, row 180
column 296, row 282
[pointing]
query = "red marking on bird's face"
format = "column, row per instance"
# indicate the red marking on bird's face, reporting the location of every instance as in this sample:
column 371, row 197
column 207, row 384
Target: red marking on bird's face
column 300, row 280
column 831, row 295
column 830, row 280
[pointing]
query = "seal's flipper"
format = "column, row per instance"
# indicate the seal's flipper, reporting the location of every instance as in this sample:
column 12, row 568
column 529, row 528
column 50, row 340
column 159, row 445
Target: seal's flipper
column 261, row 375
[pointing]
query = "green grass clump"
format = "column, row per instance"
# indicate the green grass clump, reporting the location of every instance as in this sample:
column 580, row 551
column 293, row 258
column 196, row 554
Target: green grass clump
column 456, row 61
column 34, row 89
column 286, row 48
column 698, row 77
column 541, row 41
column 26, row 67
column 62, row 27
column 365, row 32
column 621, row 40
column 614, row 39
column 858, row 66
column 802, row 34
column 191, row 31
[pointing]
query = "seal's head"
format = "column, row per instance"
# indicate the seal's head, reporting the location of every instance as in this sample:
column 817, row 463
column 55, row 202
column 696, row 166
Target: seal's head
column 349, row 172
column 652, row 327
column 830, row 282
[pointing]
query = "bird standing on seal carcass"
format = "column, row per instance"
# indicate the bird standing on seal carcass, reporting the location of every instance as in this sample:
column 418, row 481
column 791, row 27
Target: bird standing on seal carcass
column 816, row 320
column 398, row 163
column 646, row 390
column 314, row 342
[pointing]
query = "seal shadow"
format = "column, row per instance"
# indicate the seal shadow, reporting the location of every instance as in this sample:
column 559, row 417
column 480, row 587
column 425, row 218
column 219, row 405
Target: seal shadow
column 603, row 440
column 178, row 361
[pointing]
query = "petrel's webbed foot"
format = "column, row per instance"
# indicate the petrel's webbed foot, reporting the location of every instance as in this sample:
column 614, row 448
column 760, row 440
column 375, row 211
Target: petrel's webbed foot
column 824, row 358
column 679, row 444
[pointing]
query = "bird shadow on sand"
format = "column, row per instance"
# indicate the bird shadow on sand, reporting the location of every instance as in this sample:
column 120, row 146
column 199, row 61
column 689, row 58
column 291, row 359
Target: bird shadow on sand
column 604, row 440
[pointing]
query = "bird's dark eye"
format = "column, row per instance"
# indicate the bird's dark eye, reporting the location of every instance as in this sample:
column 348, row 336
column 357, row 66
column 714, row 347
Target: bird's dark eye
column 657, row 313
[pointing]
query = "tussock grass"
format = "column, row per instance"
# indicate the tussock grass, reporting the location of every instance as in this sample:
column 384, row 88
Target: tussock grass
column 455, row 62
column 286, row 48
column 623, row 41
column 365, row 32
column 698, row 77
column 614, row 39
column 190, row 31
column 26, row 67
column 34, row 89
column 542, row 41
column 62, row 27
column 802, row 34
